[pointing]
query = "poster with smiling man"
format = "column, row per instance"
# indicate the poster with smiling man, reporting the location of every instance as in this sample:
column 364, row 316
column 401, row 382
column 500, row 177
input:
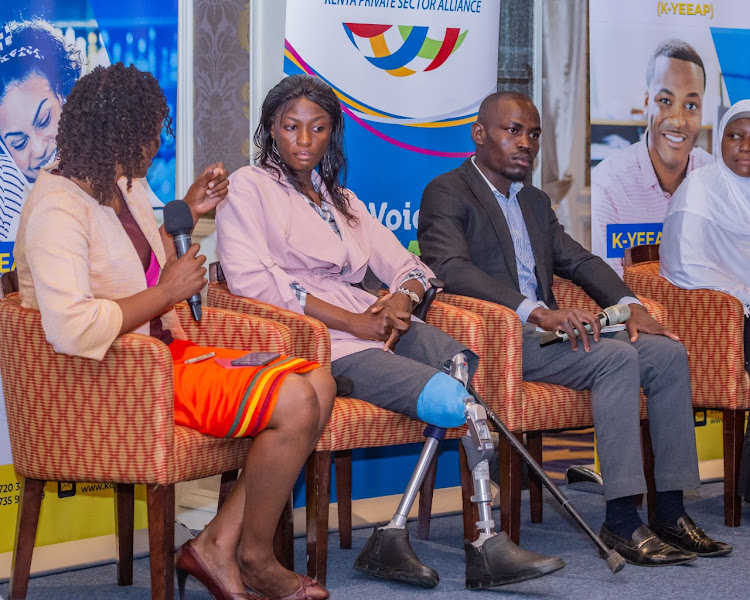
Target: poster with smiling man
column 662, row 74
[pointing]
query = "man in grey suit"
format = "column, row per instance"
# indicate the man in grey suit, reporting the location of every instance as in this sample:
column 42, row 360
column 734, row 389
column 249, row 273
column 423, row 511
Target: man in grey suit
column 487, row 235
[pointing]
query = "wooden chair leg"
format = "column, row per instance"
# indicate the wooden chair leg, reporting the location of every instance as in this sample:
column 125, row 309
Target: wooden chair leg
column 647, row 450
column 510, row 489
column 425, row 500
column 318, row 493
column 734, row 430
column 23, row 547
column 343, row 463
column 469, row 509
column 124, row 524
column 283, row 541
column 228, row 479
column 534, row 446
column 160, row 503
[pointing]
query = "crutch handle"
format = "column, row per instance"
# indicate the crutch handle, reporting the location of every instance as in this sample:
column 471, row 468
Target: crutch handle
column 420, row 310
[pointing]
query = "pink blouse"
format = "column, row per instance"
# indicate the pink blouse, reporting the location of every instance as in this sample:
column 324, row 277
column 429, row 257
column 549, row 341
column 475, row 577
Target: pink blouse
column 269, row 237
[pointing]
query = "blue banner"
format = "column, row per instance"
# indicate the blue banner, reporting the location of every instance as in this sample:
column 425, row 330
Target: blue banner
column 627, row 235
column 410, row 76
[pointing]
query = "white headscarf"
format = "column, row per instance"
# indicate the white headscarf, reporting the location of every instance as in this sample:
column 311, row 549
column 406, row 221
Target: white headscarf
column 706, row 237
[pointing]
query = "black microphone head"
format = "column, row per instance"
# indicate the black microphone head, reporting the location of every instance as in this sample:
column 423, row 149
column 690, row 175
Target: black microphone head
column 177, row 218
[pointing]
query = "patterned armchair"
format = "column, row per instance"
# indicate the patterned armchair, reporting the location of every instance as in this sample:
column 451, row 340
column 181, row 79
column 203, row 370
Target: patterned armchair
column 76, row 419
column 534, row 407
column 711, row 326
column 355, row 423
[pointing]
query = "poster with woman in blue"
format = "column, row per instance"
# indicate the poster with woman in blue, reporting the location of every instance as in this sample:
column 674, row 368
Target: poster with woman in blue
column 45, row 47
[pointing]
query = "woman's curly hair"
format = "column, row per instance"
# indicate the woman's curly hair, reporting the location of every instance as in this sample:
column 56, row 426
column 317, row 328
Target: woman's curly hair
column 332, row 168
column 36, row 47
column 109, row 117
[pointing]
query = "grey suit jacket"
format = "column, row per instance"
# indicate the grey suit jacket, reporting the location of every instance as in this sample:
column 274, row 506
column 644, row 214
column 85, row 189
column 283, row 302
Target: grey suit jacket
column 464, row 237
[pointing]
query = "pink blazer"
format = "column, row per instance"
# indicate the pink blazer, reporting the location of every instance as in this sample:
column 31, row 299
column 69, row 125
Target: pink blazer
column 268, row 237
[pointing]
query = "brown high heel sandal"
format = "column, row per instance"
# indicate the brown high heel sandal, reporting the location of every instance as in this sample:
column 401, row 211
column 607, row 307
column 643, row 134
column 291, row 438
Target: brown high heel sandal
column 309, row 589
column 187, row 562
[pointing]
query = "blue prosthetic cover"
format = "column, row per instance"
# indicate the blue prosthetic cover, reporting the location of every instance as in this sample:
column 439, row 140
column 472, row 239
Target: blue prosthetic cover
column 442, row 401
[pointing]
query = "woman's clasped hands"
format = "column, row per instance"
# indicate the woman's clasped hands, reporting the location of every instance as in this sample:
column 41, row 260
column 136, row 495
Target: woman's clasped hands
column 385, row 321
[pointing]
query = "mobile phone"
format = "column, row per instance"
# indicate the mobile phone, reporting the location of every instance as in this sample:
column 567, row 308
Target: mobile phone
column 255, row 359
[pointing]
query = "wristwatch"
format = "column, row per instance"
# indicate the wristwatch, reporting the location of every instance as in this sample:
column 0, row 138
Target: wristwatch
column 413, row 295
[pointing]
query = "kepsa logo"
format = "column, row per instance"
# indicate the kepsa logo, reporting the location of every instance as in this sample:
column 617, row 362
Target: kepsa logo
column 403, row 50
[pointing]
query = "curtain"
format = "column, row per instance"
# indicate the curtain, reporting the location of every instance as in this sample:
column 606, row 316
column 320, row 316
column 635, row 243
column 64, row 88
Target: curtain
column 563, row 102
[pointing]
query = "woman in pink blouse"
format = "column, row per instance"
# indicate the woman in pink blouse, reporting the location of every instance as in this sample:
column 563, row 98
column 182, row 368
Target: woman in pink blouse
column 291, row 234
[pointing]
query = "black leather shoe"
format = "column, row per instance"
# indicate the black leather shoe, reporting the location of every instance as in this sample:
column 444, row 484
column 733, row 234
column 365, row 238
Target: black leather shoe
column 500, row 562
column 686, row 535
column 646, row 549
column 389, row 555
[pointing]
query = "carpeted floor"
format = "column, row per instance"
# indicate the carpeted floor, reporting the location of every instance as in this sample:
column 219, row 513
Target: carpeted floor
column 585, row 576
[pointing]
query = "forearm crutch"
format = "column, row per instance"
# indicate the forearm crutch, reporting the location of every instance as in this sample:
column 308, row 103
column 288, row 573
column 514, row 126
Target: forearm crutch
column 613, row 558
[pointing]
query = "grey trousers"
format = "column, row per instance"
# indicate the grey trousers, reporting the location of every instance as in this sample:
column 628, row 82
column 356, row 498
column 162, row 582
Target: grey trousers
column 614, row 371
column 394, row 380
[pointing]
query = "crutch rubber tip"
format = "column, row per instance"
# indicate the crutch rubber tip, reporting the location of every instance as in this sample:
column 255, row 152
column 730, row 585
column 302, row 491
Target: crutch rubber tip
column 614, row 561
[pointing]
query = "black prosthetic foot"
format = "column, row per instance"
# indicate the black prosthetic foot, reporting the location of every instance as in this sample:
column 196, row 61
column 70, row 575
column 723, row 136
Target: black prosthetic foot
column 389, row 555
column 500, row 562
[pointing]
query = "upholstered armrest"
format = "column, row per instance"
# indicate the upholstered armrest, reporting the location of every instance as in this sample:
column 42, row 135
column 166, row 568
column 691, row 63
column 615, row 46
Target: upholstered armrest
column 656, row 310
column 105, row 415
column 711, row 325
column 465, row 327
column 227, row 329
column 310, row 337
column 500, row 364
column 569, row 295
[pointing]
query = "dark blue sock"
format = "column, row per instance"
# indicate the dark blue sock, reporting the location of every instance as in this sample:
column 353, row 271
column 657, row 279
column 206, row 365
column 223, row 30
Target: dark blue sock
column 622, row 516
column 669, row 508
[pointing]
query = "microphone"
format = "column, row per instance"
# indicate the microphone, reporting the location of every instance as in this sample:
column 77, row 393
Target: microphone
column 178, row 222
column 612, row 315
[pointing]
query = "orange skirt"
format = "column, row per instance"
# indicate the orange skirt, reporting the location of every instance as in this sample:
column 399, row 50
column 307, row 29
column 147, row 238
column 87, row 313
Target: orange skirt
column 227, row 402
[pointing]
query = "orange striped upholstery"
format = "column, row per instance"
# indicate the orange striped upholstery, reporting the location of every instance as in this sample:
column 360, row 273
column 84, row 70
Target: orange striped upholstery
column 502, row 358
column 76, row 419
column 533, row 406
column 226, row 329
column 547, row 406
column 355, row 423
column 711, row 326
column 310, row 337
